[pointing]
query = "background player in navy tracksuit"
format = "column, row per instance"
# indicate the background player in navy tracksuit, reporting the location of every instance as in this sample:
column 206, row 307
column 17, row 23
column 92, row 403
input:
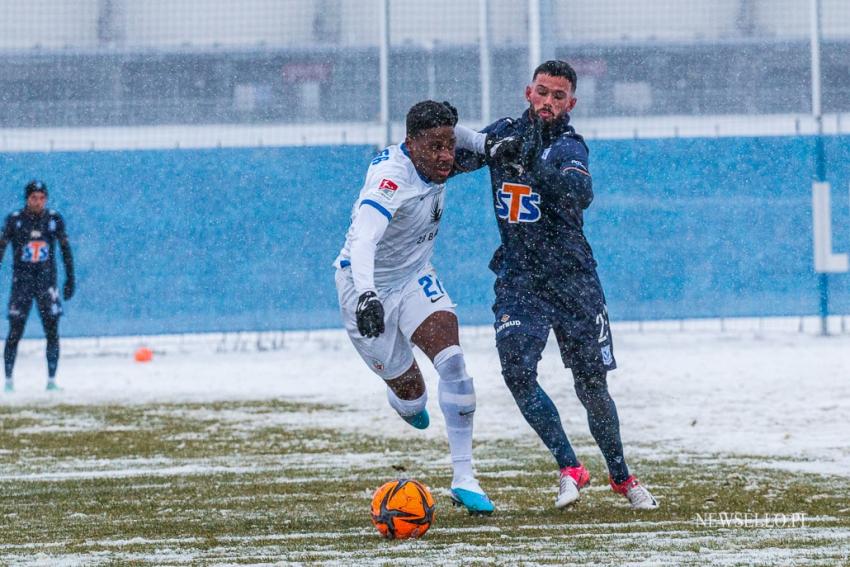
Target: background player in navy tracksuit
column 546, row 275
column 33, row 233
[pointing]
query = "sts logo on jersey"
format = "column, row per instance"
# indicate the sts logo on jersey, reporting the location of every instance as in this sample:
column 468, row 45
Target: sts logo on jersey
column 517, row 203
column 35, row 251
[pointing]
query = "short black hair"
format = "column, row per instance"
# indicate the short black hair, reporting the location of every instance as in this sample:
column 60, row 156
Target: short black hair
column 35, row 186
column 557, row 68
column 426, row 115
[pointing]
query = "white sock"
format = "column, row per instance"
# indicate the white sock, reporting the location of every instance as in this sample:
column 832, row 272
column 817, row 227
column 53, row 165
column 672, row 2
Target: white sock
column 406, row 408
column 457, row 401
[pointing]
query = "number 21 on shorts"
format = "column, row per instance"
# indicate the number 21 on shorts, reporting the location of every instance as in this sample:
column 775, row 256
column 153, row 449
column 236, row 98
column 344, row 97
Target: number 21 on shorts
column 431, row 287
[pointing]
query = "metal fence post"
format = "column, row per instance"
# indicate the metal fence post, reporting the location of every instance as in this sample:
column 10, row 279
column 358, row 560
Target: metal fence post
column 384, row 72
column 820, row 161
column 484, row 58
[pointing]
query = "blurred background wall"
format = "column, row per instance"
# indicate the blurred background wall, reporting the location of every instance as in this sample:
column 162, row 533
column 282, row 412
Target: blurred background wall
column 121, row 62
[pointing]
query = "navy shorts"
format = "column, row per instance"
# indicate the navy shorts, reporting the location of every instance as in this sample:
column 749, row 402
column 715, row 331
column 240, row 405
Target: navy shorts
column 45, row 296
column 579, row 319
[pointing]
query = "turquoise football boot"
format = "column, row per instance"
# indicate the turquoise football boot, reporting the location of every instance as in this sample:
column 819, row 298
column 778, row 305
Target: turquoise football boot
column 419, row 420
column 469, row 494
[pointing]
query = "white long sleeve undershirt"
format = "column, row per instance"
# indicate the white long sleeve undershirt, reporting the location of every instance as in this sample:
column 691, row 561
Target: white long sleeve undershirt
column 368, row 228
column 469, row 139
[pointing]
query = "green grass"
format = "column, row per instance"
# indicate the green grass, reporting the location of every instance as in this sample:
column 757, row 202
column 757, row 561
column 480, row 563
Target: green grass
column 266, row 482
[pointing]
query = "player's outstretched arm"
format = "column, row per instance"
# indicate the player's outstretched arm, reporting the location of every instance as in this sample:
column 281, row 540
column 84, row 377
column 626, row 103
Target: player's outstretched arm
column 469, row 145
column 469, row 150
column 472, row 147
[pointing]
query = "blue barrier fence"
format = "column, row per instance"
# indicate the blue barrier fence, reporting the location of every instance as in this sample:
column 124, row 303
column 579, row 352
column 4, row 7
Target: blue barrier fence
column 242, row 239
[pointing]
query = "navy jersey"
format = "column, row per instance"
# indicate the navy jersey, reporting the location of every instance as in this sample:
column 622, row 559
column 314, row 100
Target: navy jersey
column 540, row 211
column 33, row 239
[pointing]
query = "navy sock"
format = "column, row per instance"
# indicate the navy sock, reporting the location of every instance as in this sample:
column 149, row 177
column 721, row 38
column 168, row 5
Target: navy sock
column 10, row 350
column 51, row 333
column 592, row 391
column 519, row 355
column 52, row 360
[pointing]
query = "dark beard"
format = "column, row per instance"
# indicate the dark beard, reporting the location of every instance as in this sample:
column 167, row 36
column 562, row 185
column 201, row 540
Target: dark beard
column 546, row 131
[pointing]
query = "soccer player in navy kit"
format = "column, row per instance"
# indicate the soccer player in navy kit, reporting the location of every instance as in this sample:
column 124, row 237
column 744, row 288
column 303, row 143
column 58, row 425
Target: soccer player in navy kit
column 546, row 275
column 33, row 233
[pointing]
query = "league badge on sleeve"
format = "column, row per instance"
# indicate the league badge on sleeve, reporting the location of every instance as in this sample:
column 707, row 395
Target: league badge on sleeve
column 387, row 188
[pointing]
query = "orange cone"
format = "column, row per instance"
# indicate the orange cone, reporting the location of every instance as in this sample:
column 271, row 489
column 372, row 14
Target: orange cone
column 144, row 354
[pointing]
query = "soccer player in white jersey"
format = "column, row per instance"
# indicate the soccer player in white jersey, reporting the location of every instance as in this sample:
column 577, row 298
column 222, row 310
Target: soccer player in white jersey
column 390, row 296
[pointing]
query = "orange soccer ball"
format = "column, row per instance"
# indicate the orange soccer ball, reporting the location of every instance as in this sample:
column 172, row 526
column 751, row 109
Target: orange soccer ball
column 402, row 508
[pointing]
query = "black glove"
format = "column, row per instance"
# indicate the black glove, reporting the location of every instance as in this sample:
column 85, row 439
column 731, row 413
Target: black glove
column 370, row 315
column 532, row 144
column 68, row 292
column 453, row 110
column 515, row 153
column 499, row 151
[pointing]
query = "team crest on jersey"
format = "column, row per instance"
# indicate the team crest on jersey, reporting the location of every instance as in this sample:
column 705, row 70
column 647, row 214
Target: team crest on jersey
column 505, row 318
column 517, row 203
column 387, row 188
column 377, row 364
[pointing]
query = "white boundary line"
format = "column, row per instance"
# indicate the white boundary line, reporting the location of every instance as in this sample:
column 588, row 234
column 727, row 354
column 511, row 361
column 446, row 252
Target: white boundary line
column 259, row 341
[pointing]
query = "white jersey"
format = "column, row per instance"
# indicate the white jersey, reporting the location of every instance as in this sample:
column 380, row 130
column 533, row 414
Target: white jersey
column 394, row 223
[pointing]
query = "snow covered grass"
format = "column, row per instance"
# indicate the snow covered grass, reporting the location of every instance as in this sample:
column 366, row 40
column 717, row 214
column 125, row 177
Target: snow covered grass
column 235, row 454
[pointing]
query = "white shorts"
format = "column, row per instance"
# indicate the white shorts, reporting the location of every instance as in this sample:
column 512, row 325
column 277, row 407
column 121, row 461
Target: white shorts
column 390, row 354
